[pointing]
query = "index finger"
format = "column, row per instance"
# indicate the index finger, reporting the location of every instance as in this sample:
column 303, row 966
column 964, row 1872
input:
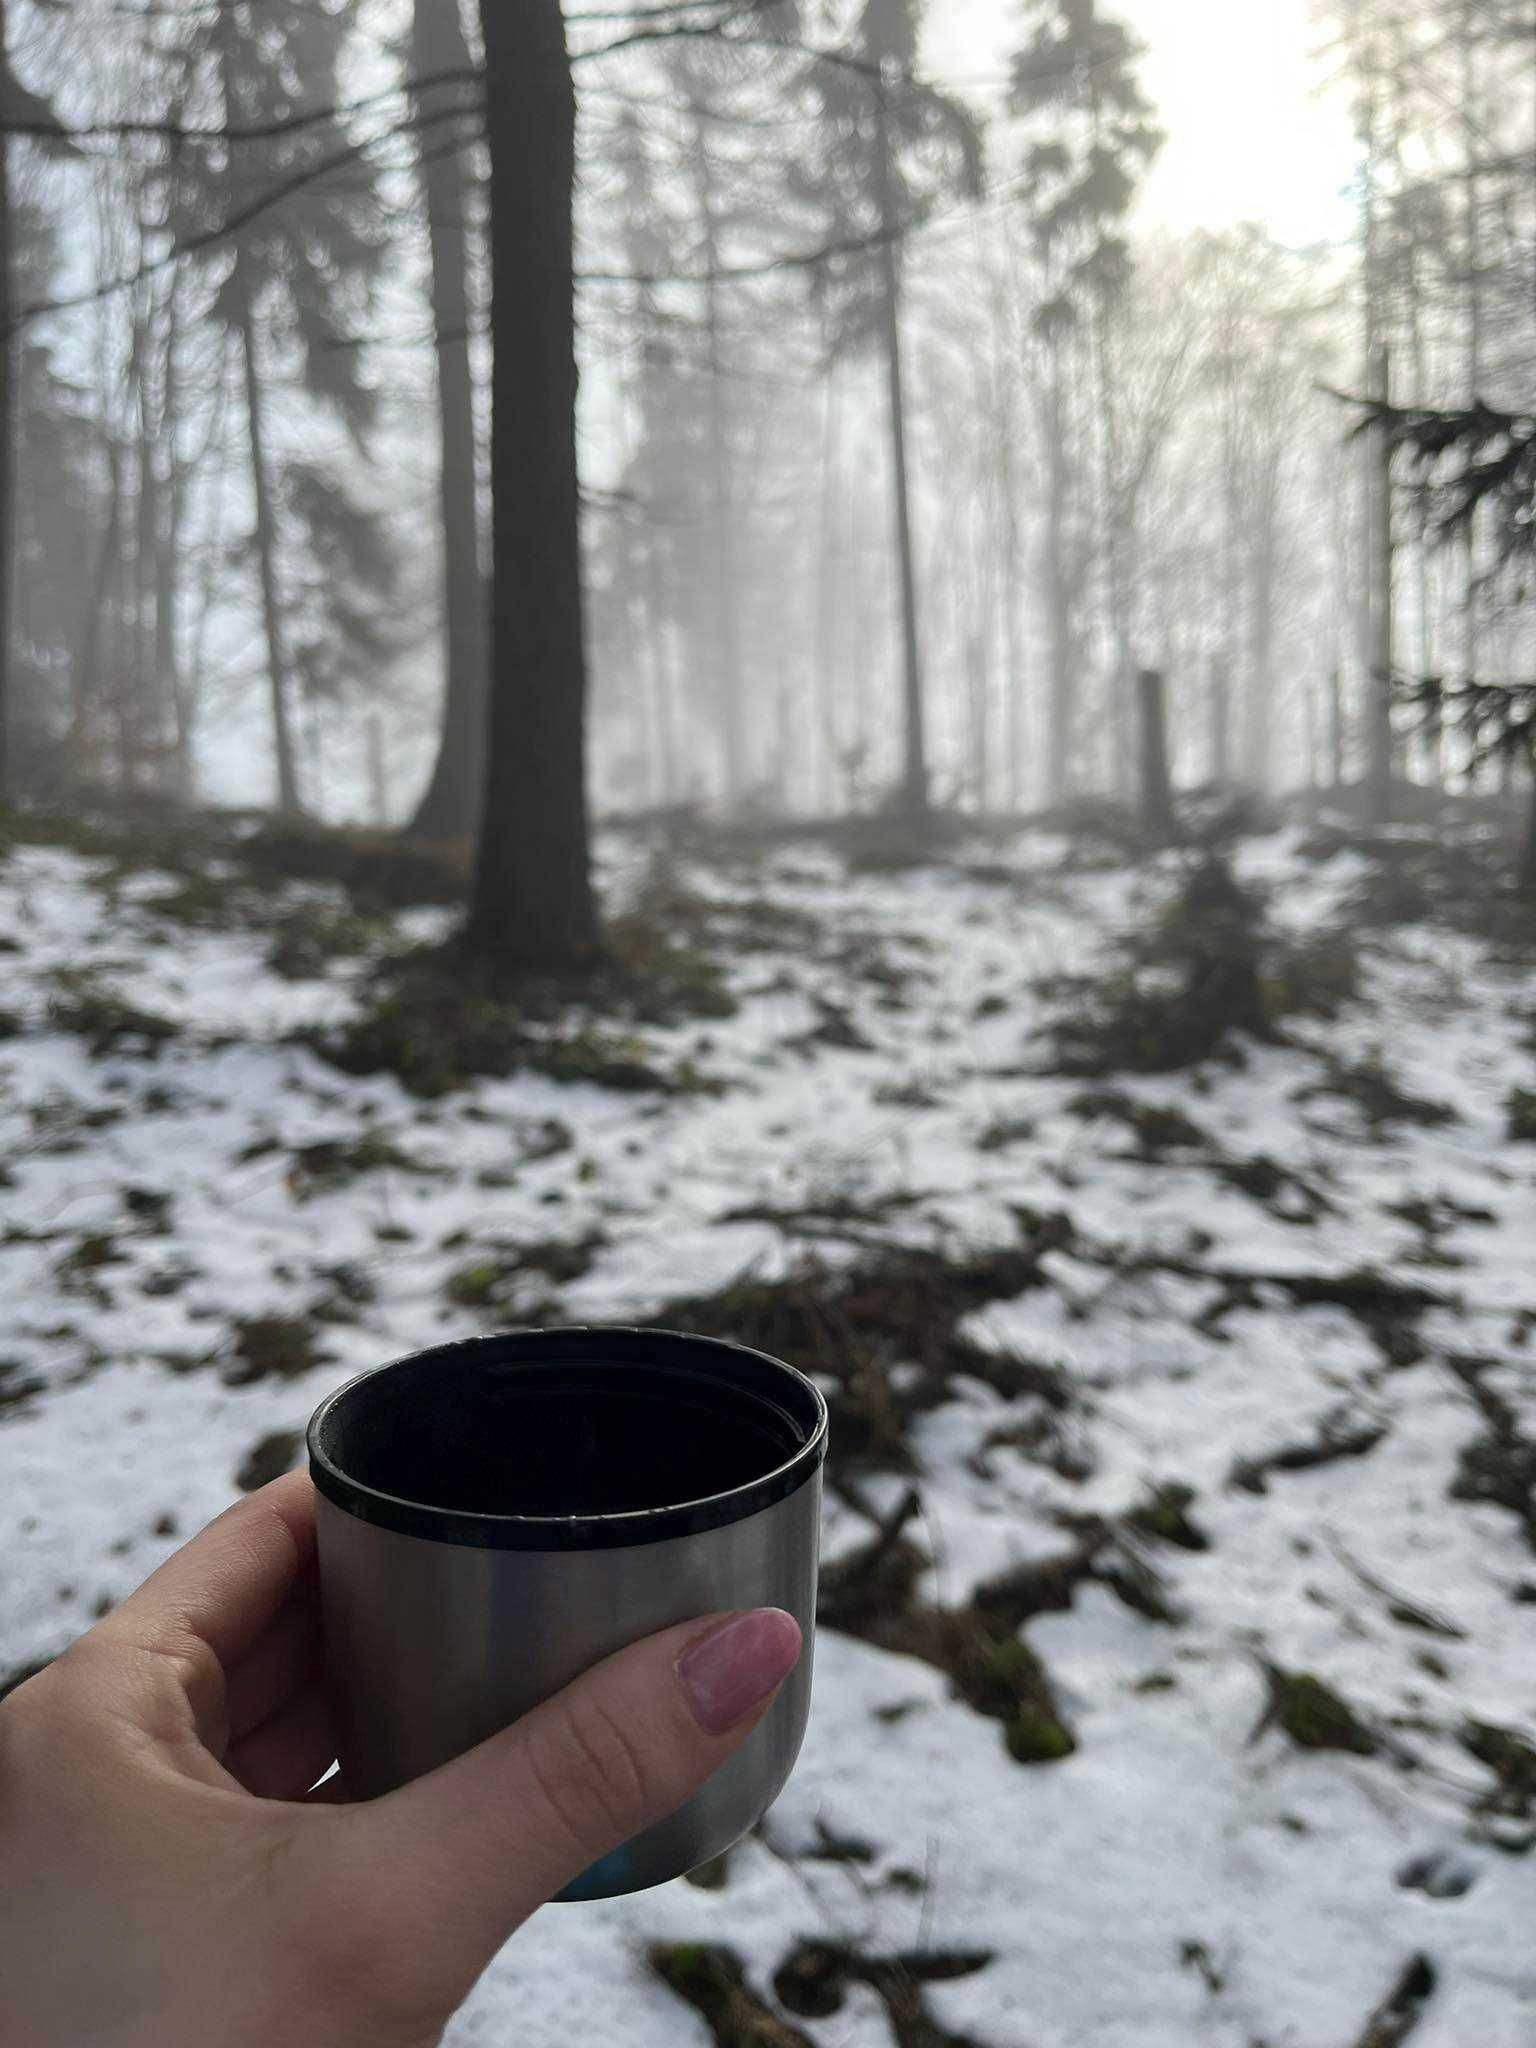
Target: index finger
column 231, row 1580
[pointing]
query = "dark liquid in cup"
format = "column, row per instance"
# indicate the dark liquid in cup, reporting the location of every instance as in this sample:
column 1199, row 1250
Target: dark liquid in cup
column 535, row 1439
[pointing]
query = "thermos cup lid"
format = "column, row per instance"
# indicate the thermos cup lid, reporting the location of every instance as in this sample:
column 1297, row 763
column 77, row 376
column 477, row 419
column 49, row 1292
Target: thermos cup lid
column 700, row 1433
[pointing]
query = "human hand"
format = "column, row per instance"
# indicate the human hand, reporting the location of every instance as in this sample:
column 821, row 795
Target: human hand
column 170, row 1874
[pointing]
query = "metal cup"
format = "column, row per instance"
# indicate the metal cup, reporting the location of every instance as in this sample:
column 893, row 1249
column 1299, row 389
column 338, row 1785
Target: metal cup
column 497, row 1515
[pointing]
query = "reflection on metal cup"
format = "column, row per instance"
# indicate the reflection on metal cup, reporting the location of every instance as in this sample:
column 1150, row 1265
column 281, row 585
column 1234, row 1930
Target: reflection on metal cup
column 497, row 1515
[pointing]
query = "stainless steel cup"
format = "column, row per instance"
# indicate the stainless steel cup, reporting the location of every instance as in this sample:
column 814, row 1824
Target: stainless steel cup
column 497, row 1515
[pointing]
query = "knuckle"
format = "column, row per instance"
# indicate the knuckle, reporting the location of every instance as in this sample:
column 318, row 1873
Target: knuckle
column 592, row 1774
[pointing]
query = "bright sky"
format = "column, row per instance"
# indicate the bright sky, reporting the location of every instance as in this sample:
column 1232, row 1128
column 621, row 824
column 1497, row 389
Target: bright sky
column 1239, row 86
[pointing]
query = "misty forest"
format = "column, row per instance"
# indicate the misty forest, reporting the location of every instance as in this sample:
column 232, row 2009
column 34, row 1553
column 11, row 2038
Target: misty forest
column 686, row 664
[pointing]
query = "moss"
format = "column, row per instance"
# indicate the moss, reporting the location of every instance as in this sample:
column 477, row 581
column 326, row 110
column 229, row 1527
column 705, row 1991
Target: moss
column 150, row 1208
column 208, row 899
column 432, row 1025
column 1315, row 977
column 1520, row 1109
column 268, row 1459
column 492, row 1283
column 712, row 1981
column 1511, row 1757
column 1157, row 1127
column 308, row 939
column 1034, row 1737
column 326, row 1164
column 1313, row 1715
column 1369, row 1084
column 273, row 1347
column 1164, row 1516
column 108, row 1022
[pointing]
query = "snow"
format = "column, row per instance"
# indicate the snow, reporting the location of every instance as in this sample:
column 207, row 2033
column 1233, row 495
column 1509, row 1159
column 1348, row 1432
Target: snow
column 1174, row 1832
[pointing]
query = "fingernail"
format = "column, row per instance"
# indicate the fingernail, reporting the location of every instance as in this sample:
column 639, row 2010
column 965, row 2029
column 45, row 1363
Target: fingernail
column 733, row 1667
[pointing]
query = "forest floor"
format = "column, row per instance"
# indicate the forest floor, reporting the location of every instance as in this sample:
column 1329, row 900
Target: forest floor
column 1178, row 1663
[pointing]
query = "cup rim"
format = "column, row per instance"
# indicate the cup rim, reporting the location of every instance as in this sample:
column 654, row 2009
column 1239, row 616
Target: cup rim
column 590, row 1344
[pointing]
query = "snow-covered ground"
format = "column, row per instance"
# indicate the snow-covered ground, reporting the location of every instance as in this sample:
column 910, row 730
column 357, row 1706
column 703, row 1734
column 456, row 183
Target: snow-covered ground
column 200, row 1242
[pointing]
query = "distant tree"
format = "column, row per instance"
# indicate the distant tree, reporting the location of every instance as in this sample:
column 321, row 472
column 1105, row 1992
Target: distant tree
column 450, row 805
column 294, row 284
column 1089, row 136
column 891, row 149
column 57, row 508
column 531, row 906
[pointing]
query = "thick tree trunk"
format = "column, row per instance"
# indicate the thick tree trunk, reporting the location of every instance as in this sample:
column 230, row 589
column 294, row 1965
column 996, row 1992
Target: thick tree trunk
column 1527, row 871
column 266, row 561
column 8, row 423
column 450, row 806
column 1059, row 780
column 531, row 906
column 914, row 775
column 1156, row 784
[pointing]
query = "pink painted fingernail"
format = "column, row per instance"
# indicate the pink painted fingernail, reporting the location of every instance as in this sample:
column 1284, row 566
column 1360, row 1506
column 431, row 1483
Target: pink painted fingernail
column 733, row 1667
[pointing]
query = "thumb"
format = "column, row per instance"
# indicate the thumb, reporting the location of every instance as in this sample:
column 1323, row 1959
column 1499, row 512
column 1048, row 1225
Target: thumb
column 499, row 1830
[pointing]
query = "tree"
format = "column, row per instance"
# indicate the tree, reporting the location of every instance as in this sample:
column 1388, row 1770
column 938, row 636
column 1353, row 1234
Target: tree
column 531, row 904
column 1090, row 136
column 894, row 148
column 299, row 275
column 18, row 107
column 1475, row 463
column 450, row 805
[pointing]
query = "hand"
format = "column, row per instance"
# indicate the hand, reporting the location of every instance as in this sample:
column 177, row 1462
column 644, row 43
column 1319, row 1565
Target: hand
column 171, row 1877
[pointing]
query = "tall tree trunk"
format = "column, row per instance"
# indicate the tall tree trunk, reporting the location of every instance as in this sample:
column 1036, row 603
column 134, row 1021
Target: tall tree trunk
column 829, row 582
column 914, row 776
column 977, row 686
column 1156, row 783
column 1221, row 720
column 1259, row 762
column 1527, row 870
column 168, row 540
column 726, row 597
column 655, row 612
column 1059, row 708
column 378, row 774
column 8, row 426
column 450, row 805
column 1013, row 659
column 1335, row 727
column 531, row 905
column 278, row 670
column 1379, row 700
